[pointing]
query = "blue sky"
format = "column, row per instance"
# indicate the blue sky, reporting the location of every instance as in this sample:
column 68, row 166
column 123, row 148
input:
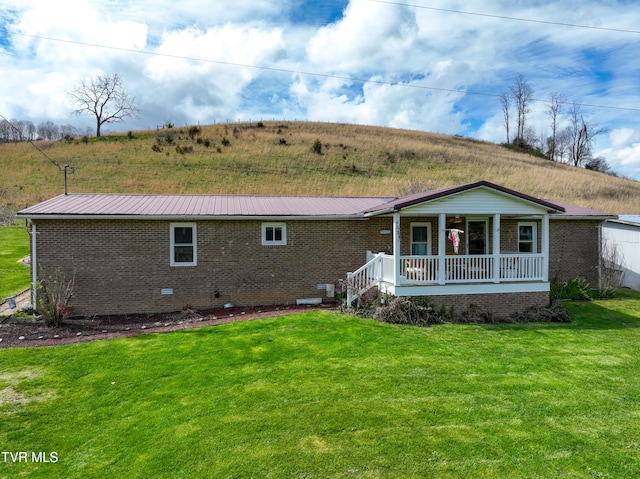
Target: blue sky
column 433, row 66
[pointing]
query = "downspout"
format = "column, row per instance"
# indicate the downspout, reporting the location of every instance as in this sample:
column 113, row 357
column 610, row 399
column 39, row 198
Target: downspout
column 600, row 256
column 34, row 266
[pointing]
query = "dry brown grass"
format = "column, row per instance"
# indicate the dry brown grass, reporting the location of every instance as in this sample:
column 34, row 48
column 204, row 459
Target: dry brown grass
column 278, row 159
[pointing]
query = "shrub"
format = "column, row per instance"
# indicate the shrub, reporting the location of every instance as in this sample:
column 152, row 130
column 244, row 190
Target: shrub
column 193, row 131
column 155, row 147
column 575, row 289
column 225, row 141
column 54, row 295
column 260, row 124
column 181, row 150
column 317, row 147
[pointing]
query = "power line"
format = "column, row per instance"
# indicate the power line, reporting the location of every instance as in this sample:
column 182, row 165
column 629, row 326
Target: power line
column 502, row 17
column 305, row 73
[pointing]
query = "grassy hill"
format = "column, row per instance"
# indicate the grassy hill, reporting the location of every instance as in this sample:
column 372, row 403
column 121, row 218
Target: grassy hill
column 295, row 158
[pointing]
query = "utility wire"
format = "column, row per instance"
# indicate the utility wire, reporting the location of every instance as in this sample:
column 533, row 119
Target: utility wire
column 502, row 17
column 312, row 74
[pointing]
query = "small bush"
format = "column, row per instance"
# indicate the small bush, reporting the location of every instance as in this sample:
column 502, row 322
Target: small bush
column 54, row 295
column 181, row 150
column 156, row 148
column 317, row 147
column 225, row 141
column 193, row 131
column 260, row 124
column 575, row 289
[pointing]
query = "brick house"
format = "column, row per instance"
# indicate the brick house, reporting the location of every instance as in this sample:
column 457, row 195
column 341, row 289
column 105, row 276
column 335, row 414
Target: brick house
column 478, row 243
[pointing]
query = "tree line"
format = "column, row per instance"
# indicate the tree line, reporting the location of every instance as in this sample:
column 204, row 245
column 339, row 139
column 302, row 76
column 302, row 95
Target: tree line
column 571, row 138
column 25, row 130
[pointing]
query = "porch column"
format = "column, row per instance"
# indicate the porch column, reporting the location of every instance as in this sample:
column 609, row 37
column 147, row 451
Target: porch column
column 396, row 248
column 545, row 247
column 442, row 235
column 496, row 248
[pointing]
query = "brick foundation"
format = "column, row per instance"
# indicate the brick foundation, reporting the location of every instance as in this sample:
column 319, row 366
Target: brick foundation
column 498, row 304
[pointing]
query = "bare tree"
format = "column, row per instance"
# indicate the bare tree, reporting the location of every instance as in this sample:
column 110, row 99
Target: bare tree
column 562, row 145
column 105, row 98
column 48, row 130
column 522, row 94
column 555, row 108
column 505, row 103
column 581, row 137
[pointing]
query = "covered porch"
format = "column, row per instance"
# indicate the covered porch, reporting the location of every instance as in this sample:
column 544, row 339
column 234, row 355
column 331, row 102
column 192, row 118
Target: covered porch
column 455, row 253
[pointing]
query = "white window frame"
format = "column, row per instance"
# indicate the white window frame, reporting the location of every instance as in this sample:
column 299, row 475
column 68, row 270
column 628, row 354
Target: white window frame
column 193, row 244
column 421, row 224
column 534, row 233
column 274, row 242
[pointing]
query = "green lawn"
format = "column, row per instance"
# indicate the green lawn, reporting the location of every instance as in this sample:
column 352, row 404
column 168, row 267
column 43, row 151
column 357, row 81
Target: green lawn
column 14, row 244
column 324, row 395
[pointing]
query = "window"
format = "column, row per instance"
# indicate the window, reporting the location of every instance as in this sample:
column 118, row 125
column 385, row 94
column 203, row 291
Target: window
column 527, row 236
column 421, row 239
column 183, row 244
column 274, row 234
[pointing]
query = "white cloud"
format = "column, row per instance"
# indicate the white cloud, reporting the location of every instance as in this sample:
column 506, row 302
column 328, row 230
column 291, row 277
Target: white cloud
column 623, row 154
column 370, row 37
column 413, row 57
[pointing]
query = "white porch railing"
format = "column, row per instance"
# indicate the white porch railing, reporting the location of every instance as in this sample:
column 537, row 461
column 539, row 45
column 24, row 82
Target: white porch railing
column 471, row 268
column 366, row 277
column 425, row 270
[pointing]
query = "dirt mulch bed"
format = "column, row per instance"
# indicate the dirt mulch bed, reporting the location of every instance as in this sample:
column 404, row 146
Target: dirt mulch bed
column 24, row 333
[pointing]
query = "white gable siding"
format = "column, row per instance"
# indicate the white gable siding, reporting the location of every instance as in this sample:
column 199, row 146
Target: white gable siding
column 480, row 201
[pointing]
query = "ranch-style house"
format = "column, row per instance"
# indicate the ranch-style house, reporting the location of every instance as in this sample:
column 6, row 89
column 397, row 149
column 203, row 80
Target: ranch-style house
column 478, row 243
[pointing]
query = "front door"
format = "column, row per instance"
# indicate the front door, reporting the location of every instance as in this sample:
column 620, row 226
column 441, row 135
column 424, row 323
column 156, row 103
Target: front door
column 477, row 236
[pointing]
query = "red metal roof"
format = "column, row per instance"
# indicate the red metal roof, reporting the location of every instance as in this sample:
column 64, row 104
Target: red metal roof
column 200, row 205
column 132, row 205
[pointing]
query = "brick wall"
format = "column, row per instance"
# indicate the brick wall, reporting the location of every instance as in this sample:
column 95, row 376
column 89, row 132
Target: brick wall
column 574, row 250
column 121, row 265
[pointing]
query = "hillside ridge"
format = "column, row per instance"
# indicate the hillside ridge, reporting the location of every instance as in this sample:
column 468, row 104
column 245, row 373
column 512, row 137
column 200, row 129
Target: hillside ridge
column 295, row 158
